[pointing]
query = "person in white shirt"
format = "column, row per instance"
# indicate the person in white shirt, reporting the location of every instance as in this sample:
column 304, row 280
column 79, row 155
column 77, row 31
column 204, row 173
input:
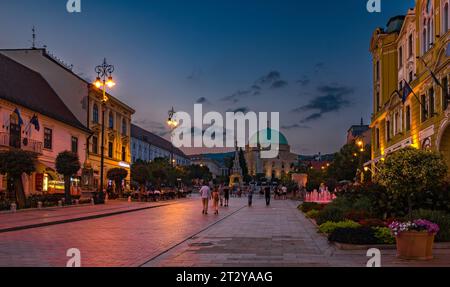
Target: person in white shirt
column 205, row 194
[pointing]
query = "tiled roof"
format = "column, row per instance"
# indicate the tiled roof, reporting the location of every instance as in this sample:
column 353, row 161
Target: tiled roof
column 149, row 137
column 29, row 89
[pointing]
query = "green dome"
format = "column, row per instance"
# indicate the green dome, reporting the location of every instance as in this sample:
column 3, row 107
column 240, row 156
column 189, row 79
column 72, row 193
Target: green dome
column 268, row 134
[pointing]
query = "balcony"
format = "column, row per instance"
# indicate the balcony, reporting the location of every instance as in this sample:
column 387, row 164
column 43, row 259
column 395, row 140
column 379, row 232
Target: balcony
column 22, row 143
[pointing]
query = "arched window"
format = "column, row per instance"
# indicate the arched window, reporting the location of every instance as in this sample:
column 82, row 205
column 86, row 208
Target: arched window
column 444, row 17
column 124, row 127
column 111, row 120
column 95, row 113
column 427, row 28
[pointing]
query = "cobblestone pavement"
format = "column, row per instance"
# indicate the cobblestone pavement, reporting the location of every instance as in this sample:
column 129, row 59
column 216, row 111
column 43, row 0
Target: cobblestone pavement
column 129, row 239
column 179, row 235
column 272, row 236
column 47, row 215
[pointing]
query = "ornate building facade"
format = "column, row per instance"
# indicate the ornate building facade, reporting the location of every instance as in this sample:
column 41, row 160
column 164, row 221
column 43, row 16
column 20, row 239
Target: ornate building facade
column 270, row 168
column 84, row 100
column 410, row 81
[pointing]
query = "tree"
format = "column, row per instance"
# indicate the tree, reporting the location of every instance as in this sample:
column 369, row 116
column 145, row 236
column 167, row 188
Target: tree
column 14, row 163
column 409, row 172
column 140, row 173
column 243, row 164
column 117, row 175
column 347, row 162
column 68, row 164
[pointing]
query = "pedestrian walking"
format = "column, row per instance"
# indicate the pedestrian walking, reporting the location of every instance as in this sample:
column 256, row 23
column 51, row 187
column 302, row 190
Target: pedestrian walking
column 251, row 190
column 215, row 199
column 221, row 195
column 267, row 195
column 205, row 194
column 226, row 195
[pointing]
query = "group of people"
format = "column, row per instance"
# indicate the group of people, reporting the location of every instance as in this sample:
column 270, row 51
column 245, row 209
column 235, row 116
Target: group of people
column 220, row 195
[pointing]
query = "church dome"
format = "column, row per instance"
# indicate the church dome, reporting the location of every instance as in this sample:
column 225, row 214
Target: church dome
column 270, row 135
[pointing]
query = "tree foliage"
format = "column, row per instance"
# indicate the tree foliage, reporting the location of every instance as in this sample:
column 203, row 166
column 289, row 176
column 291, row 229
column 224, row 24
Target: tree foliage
column 14, row 163
column 117, row 175
column 68, row 164
column 409, row 172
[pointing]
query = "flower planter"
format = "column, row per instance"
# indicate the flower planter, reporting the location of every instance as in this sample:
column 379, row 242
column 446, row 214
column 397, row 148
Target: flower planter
column 413, row 245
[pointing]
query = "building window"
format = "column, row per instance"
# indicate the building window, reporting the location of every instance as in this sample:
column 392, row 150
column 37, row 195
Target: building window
column 95, row 113
column 111, row 120
column 378, row 106
column 377, row 70
column 124, row 153
column 408, row 118
column 48, row 138
column 74, row 144
column 388, row 131
column 444, row 93
column 431, row 102
column 110, row 149
column 410, row 46
column 424, row 111
column 377, row 138
column 400, row 57
column 124, row 127
column 445, row 18
column 95, row 145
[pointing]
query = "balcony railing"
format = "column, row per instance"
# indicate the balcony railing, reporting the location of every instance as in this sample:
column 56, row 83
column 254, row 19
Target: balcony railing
column 22, row 143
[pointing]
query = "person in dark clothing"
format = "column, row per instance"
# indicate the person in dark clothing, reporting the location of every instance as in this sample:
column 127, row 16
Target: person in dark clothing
column 267, row 195
column 251, row 190
column 226, row 195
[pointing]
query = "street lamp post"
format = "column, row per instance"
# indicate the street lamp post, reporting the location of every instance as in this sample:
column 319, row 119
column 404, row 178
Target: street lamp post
column 104, row 79
column 172, row 123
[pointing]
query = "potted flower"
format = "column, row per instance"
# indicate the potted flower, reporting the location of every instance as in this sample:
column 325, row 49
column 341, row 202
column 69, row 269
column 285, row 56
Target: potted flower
column 406, row 174
column 415, row 239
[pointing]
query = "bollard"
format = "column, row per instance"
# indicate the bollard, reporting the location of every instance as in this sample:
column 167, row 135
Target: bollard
column 39, row 206
column 106, row 198
column 92, row 201
column 60, row 203
column 129, row 199
column 77, row 201
column 13, row 207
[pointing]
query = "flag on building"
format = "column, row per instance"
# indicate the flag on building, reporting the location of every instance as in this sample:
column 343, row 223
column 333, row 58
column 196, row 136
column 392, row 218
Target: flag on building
column 407, row 90
column 19, row 117
column 35, row 122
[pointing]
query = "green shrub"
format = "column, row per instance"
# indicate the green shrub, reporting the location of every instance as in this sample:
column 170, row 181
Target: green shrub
column 441, row 218
column 384, row 235
column 329, row 227
column 312, row 214
column 361, row 236
column 330, row 213
column 308, row 206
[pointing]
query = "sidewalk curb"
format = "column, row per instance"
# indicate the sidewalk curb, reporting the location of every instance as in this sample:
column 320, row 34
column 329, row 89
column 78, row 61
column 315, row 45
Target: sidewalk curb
column 90, row 217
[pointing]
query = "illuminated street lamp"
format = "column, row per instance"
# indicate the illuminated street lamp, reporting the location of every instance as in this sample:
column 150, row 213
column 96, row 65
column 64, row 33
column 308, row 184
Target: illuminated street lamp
column 172, row 123
column 104, row 79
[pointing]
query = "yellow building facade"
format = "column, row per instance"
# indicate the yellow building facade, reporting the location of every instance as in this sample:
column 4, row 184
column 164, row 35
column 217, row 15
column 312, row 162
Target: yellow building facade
column 413, row 50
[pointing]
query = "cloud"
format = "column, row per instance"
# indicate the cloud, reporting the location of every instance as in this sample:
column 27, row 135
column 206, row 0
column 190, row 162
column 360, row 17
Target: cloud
column 239, row 110
column 295, row 126
column 304, row 81
column 271, row 80
column 152, row 126
column 202, row 100
column 271, row 77
column 331, row 98
column 279, row 84
column 319, row 67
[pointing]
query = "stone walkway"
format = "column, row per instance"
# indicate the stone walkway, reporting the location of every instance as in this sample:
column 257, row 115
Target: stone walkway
column 178, row 234
column 35, row 217
column 275, row 236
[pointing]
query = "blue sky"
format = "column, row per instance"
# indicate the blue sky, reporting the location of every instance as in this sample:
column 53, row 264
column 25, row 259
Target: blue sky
column 308, row 60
